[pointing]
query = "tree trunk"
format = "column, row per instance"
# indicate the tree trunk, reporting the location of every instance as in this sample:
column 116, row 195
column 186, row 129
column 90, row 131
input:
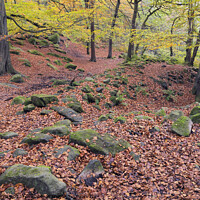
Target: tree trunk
column 195, row 49
column 93, row 55
column 87, row 43
column 196, row 88
column 112, row 27
column 190, row 34
column 133, row 29
column 5, row 61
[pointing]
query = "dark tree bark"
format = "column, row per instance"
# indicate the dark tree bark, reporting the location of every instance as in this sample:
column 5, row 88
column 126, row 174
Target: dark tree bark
column 195, row 49
column 112, row 27
column 93, row 55
column 190, row 34
column 196, row 88
column 87, row 43
column 5, row 61
column 133, row 29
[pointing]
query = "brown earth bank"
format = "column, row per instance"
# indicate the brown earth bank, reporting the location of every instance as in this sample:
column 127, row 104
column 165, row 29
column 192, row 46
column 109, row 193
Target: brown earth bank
column 168, row 167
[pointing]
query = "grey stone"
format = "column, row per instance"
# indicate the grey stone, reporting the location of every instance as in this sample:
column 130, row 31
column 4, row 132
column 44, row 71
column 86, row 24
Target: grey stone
column 60, row 130
column 99, row 90
column 8, row 135
column 182, row 126
column 68, row 113
column 91, row 172
column 39, row 178
column 174, row 115
column 72, row 152
column 37, row 138
column 45, row 112
column 65, row 122
column 19, row 152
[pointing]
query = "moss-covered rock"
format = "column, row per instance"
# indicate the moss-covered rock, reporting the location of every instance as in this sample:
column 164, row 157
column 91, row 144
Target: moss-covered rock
column 72, row 152
column 55, row 38
column 37, row 138
column 59, row 130
column 97, row 107
column 102, row 144
column 120, row 119
column 65, row 122
column 195, row 110
column 39, row 178
column 45, row 112
column 68, row 113
column 26, row 62
column 89, row 98
column 60, row 50
column 90, row 79
column 174, row 115
column 52, row 66
column 27, row 101
column 18, row 100
column 17, row 78
column 160, row 112
column 19, row 152
column 99, row 89
column 28, row 108
column 195, row 118
column 59, row 82
column 58, row 62
column 87, row 89
column 91, row 172
column 76, row 106
column 103, row 118
column 106, row 81
column 41, row 100
column 35, row 52
column 182, row 126
column 140, row 117
column 70, row 66
column 8, row 135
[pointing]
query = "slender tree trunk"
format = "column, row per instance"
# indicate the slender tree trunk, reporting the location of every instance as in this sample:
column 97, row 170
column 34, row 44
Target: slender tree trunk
column 133, row 29
column 87, row 43
column 190, row 34
column 196, row 88
column 93, row 55
column 195, row 49
column 5, row 61
column 112, row 27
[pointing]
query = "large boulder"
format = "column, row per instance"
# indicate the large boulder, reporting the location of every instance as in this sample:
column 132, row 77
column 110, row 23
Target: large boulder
column 72, row 152
column 182, row 126
column 97, row 143
column 41, row 100
column 37, row 138
column 68, row 113
column 59, row 130
column 39, row 178
column 91, row 172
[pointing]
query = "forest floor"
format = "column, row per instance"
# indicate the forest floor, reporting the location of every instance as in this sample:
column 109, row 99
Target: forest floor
column 168, row 165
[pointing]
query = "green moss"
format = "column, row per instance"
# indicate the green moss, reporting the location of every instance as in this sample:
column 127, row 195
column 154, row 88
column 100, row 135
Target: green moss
column 52, row 66
column 182, row 126
column 70, row 66
column 102, row 118
column 18, row 100
column 35, row 52
column 161, row 112
column 57, row 62
column 55, row 38
column 120, row 119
